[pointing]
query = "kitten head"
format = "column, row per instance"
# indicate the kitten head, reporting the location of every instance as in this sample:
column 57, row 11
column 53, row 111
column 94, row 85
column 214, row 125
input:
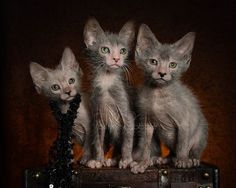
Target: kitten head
column 108, row 51
column 163, row 63
column 61, row 83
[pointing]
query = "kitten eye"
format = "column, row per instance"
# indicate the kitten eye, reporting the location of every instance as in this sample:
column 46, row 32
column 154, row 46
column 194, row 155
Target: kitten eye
column 123, row 51
column 55, row 87
column 105, row 50
column 153, row 62
column 71, row 81
column 172, row 65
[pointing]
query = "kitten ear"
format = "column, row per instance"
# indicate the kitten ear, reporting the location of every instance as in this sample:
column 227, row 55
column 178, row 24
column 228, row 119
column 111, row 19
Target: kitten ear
column 183, row 47
column 92, row 30
column 127, row 32
column 39, row 75
column 68, row 60
column 145, row 39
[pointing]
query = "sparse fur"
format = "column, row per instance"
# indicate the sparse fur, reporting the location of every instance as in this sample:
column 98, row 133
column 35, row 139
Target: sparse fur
column 62, row 84
column 168, row 110
column 110, row 101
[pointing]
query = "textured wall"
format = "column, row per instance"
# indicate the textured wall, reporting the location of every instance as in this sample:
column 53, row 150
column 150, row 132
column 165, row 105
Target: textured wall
column 38, row 31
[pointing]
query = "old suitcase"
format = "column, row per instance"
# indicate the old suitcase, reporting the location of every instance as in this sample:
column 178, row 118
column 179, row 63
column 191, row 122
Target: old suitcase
column 205, row 176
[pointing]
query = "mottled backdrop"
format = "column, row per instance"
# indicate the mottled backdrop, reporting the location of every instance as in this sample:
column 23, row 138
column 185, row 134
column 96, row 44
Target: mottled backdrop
column 39, row 30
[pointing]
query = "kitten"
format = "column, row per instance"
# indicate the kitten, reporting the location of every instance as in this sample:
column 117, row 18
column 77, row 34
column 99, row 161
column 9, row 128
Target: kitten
column 108, row 53
column 62, row 84
column 168, row 109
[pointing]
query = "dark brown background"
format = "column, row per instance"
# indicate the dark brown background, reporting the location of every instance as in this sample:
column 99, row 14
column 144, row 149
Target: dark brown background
column 39, row 30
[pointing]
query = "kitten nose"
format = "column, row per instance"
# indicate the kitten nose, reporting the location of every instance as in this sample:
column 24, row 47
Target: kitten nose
column 68, row 92
column 116, row 59
column 161, row 74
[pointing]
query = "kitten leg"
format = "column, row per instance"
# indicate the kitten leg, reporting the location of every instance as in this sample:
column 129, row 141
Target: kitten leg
column 87, row 153
column 182, row 159
column 99, row 133
column 195, row 154
column 81, row 137
column 127, row 143
column 115, row 157
column 158, row 160
column 110, row 162
column 79, row 132
column 138, row 148
column 141, row 166
column 200, row 141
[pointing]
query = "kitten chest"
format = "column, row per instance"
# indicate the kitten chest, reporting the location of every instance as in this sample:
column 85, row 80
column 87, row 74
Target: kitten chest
column 106, row 81
column 163, row 106
column 110, row 116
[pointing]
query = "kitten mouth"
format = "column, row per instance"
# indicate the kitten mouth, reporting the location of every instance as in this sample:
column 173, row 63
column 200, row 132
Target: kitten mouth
column 114, row 66
column 70, row 98
column 161, row 80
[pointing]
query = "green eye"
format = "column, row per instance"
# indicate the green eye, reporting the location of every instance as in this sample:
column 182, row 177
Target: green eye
column 105, row 50
column 153, row 62
column 172, row 65
column 71, row 81
column 123, row 51
column 55, row 87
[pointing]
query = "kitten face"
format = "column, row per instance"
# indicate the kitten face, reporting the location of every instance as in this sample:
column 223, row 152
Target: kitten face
column 163, row 63
column 114, row 55
column 62, row 83
column 108, row 51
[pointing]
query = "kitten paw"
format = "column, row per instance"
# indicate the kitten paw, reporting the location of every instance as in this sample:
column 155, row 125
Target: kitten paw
column 159, row 161
column 139, row 167
column 196, row 162
column 94, row 164
column 84, row 160
column 110, row 162
column 186, row 163
column 125, row 163
column 134, row 163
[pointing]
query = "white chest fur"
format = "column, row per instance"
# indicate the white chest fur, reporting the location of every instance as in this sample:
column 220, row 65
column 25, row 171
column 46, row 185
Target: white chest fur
column 105, row 81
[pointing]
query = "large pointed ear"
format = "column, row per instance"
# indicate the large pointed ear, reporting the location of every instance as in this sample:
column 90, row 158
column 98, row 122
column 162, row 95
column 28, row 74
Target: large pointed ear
column 183, row 47
column 68, row 60
column 145, row 39
column 127, row 32
column 39, row 75
column 92, row 31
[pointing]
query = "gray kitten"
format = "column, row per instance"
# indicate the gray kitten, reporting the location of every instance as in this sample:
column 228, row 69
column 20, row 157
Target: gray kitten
column 62, row 84
column 108, row 54
column 168, row 109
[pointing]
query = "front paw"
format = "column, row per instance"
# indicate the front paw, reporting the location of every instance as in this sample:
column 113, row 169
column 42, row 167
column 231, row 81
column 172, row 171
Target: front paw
column 186, row 163
column 125, row 163
column 84, row 160
column 110, row 162
column 94, row 164
column 159, row 161
column 196, row 162
column 139, row 167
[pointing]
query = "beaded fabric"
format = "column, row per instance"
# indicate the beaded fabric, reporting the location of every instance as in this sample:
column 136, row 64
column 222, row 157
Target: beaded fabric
column 60, row 155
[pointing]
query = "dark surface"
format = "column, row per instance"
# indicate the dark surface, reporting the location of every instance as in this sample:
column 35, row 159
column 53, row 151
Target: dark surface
column 161, row 177
column 39, row 30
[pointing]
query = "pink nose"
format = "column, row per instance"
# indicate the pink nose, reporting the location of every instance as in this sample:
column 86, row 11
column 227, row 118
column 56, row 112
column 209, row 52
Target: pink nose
column 67, row 91
column 116, row 59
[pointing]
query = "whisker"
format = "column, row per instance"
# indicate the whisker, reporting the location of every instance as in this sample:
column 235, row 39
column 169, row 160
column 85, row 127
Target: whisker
column 125, row 71
column 128, row 75
column 129, row 71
